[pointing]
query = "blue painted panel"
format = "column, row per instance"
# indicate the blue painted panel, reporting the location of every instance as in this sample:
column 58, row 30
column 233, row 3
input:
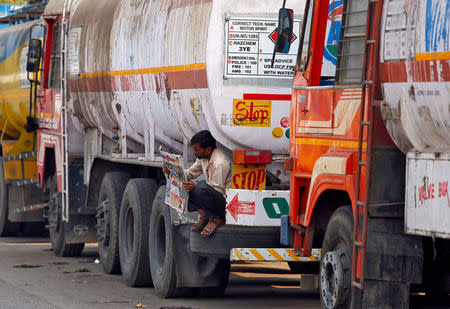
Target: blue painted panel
column 437, row 26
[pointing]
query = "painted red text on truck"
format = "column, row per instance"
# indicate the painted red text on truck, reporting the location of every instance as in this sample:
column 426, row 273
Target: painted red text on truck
column 433, row 190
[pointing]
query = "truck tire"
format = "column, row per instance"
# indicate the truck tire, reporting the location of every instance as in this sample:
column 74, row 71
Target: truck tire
column 57, row 226
column 108, row 210
column 133, row 231
column 233, row 236
column 336, row 262
column 7, row 228
column 161, row 249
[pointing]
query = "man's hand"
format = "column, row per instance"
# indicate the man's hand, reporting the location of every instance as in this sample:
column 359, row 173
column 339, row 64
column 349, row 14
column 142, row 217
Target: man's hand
column 189, row 186
column 165, row 169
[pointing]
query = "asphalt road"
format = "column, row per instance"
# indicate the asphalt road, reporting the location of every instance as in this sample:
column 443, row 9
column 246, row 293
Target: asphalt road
column 32, row 277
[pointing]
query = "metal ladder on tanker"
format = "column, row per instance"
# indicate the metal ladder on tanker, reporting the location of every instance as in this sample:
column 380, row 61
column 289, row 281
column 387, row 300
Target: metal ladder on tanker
column 364, row 159
column 64, row 117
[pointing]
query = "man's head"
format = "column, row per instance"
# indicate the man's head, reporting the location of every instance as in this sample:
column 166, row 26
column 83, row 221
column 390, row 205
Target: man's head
column 203, row 144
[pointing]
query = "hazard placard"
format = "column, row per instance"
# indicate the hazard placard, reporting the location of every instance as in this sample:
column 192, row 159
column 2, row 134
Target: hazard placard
column 249, row 45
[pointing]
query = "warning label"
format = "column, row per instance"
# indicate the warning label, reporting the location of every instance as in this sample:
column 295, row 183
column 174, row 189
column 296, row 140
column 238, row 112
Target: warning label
column 250, row 46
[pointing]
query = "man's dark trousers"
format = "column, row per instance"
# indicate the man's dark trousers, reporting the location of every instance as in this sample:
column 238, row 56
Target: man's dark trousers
column 208, row 199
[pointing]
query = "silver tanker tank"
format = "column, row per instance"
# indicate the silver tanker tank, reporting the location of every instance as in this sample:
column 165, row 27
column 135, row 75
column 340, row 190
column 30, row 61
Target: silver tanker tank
column 177, row 67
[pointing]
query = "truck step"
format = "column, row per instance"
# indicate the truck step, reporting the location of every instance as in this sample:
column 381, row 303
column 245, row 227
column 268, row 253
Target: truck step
column 272, row 255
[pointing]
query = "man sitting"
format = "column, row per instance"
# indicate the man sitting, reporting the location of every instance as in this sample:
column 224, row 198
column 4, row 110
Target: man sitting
column 208, row 198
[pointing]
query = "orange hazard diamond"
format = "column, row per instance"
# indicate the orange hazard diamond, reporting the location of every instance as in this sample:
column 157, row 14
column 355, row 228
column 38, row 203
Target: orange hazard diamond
column 273, row 36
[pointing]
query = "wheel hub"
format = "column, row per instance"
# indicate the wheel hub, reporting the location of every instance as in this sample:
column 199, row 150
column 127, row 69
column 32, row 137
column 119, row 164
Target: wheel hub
column 332, row 279
column 103, row 223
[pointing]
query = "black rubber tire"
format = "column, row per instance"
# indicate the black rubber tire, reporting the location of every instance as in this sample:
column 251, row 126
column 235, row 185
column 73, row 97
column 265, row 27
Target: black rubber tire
column 133, row 231
column 161, row 249
column 304, row 267
column 339, row 236
column 108, row 211
column 57, row 239
column 7, row 228
column 229, row 236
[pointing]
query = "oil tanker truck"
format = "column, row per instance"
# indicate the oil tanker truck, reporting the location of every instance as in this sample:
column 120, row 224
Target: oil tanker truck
column 21, row 202
column 370, row 149
column 122, row 79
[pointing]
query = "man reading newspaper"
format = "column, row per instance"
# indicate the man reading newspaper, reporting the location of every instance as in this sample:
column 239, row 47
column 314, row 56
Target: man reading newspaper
column 208, row 198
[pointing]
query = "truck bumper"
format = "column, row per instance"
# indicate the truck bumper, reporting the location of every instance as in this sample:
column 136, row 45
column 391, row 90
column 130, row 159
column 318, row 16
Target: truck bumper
column 271, row 255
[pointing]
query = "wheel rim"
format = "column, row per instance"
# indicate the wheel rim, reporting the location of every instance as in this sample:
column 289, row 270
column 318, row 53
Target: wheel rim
column 129, row 231
column 160, row 242
column 332, row 277
column 103, row 223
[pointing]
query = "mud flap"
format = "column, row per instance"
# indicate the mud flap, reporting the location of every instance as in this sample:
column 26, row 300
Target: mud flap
column 193, row 270
column 394, row 260
column 385, row 294
column 80, row 229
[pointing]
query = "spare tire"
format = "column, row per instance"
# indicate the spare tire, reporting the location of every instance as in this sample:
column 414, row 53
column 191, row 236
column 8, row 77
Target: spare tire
column 234, row 236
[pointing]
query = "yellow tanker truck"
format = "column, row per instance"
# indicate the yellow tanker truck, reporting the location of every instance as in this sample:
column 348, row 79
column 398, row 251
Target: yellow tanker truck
column 21, row 202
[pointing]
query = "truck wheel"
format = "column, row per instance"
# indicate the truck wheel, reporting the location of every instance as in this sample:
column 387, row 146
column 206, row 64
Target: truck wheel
column 57, row 226
column 336, row 262
column 133, row 231
column 7, row 228
column 108, row 210
column 161, row 250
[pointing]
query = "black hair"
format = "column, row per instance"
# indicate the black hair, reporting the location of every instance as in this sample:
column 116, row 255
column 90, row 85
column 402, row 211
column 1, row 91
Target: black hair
column 205, row 139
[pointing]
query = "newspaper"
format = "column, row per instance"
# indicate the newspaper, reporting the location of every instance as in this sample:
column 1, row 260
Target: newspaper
column 176, row 196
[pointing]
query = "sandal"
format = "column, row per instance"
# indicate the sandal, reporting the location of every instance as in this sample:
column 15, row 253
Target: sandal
column 211, row 228
column 200, row 224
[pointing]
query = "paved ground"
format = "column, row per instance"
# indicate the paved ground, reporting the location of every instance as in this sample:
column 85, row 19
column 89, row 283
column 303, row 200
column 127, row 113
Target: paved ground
column 32, row 277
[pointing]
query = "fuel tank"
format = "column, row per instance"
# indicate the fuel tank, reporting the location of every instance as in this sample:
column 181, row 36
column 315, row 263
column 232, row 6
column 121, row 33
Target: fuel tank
column 176, row 67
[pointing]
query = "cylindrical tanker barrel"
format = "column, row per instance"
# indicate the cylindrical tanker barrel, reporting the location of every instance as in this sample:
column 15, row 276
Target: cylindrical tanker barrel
column 14, row 85
column 177, row 67
column 415, row 71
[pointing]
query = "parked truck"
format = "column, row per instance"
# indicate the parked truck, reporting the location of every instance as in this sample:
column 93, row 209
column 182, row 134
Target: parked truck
column 366, row 137
column 370, row 149
column 21, row 202
column 122, row 78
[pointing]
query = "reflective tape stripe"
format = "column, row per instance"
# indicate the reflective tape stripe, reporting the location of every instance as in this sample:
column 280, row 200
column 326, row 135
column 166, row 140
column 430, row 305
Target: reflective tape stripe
column 292, row 255
column 257, row 255
column 239, row 256
column 271, row 255
column 275, row 254
column 166, row 69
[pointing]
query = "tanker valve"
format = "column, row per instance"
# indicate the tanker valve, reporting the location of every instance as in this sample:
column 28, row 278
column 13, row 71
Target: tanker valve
column 115, row 128
column 115, row 137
